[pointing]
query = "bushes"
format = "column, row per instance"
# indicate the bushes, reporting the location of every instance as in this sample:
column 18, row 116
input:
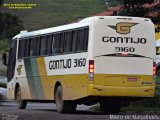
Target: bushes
column 4, row 44
column 10, row 25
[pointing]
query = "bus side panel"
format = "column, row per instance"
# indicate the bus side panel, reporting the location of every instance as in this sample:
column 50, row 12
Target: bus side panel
column 74, row 86
column 21, row 79
column 10, row 90
column 71, row 72
column 37, row 81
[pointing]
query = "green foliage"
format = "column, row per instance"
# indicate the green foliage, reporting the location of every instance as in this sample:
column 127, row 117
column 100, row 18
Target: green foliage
column 136, row 2
column 111, row 3
column 2, row 72
column 135, row 8
column 148, row 103
column 95, row 107
column 135, row 11
column 4, row 44
column 50, row 13
column 1, row 2
column 10, row 25
column 156, row 21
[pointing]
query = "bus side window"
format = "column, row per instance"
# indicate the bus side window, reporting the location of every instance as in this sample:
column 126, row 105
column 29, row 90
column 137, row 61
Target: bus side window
column 49, row 44
column 56, row 44
column 43, row 46
column 21, row 49
column 61, row 47
column 86, row 39
column 67, row 41
column 74, row 41
column 33, row 43
column 80, row 40
column 27, row 48
column 38, row 46
column 53, row 45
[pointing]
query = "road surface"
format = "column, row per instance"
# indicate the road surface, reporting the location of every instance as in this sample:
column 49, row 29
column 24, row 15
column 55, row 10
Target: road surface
column 47, row 111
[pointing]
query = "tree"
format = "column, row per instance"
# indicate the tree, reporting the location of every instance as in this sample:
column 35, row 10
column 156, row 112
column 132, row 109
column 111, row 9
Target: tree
column 134, row 3
column 156, row 21
column 135, row 11
column 1, row 2
column 135, row 8
column 10, row 25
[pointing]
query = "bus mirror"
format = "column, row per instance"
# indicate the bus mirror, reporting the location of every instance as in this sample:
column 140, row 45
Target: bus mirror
column 4, row 59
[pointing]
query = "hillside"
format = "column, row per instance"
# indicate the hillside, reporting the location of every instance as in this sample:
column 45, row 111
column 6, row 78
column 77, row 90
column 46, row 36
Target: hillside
column 50, row 13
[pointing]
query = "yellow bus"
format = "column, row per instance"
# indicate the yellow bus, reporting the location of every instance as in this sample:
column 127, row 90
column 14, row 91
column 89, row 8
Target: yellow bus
column 99, row 59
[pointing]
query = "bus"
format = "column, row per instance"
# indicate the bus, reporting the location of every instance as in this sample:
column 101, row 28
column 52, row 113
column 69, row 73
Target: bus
column 100, row 59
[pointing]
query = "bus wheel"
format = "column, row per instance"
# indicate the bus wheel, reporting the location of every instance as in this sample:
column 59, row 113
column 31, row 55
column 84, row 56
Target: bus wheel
column 110, row 106
column 21, row 104
column 62, row 105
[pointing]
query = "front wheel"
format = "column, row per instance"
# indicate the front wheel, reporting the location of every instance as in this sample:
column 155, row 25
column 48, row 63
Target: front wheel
column 21, row 104
column 62, row 105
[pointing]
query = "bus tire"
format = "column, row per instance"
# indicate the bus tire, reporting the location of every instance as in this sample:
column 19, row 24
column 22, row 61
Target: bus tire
column 62, row 105
column 110, row 106
column 21, row 104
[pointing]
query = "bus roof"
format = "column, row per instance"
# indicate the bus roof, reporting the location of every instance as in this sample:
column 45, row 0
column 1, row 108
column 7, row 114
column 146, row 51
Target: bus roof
column 82, row 23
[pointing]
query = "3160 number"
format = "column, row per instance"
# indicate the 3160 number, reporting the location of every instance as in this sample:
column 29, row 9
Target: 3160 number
column 124, row 49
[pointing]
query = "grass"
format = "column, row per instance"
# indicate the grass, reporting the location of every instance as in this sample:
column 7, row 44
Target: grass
column 2, row 72
column 116, row 2
column 50, row 13
column 139, row 108
column 95, row 108
column 4, row 45
column 132, row 107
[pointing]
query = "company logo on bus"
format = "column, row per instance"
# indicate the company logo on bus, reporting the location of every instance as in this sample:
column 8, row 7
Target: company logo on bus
column 19, row 69
column 123, row 27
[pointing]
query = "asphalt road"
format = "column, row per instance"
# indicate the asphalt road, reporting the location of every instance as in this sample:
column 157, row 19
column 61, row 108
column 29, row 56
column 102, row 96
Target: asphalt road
column 47, row 111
